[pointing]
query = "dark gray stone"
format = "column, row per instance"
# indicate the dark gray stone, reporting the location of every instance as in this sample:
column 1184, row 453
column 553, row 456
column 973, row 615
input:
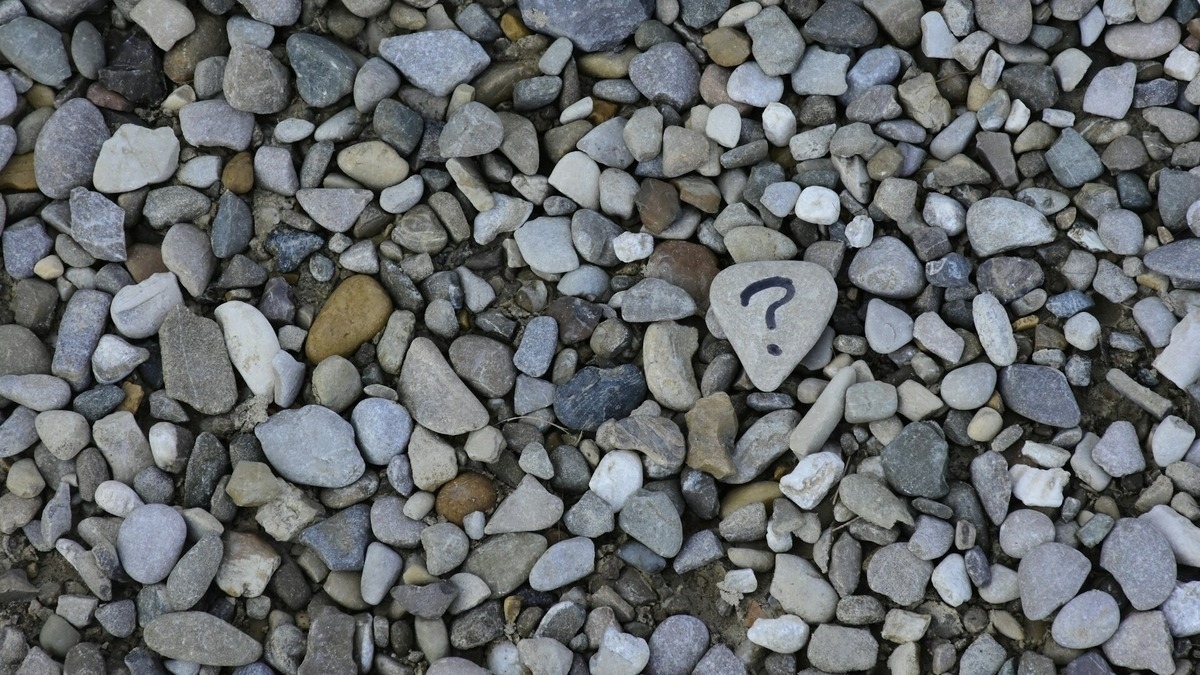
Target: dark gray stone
column 1039, row 393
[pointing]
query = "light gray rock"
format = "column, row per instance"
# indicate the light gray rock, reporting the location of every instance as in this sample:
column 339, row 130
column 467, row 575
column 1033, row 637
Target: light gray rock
column 311, row 446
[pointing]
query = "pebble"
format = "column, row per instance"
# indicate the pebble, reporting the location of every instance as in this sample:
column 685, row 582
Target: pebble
column 1039, row 393
column 150, row 541
column 563, row 563
column 1086, row 621
column 887, row 268
column 36, row 49
column 786, row 635
column 435, row 60
column 202, row 638
column 1142, row 641
column 195, row 363
column 666, row 73
column 649, row 517
column 1022, row 226
column 837, row 648
column 335, row 463
column 135, row 157
column 1049, row 576
column 1141, row 561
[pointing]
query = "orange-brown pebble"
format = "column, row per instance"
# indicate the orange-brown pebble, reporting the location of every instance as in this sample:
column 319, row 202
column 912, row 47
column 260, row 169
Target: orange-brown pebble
column 463, row 494
column 238, row 174
column 355, row 311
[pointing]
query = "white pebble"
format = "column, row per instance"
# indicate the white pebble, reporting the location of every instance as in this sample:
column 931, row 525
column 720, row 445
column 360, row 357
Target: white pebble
column 1082, row 331
column 1170, row 440
column 779, row 124
column 950, row 580
column 995, row 332
column 617, row 476
column 785, row 635
column 724, row 125
column 632, row 246
column 117, row 498
column 860, row 231
column 818, row 205
column 1182, row 64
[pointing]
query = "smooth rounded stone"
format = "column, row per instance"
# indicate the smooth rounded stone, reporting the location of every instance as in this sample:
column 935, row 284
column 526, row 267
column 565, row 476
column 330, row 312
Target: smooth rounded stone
column 63, row 432
column 931, row 539
column 36, row 49
column 79, row 331
column 619, row 653
column 199, row 637
column 434, row 395
column 150, row 541
column 577, row 176
column 35, row 391
column 651, row 518
column 138, row 311
column 914, row 462
column 135, row 157
column 785, row 635
column 1177, row 260
column 1142, row 642
column 800, row 589
column 216, row 124
column 677, row 644
column 252, row 344
column 436, row 61
column 1119, row 452
column 839, row 649
column 750, row 85
column 887, row 327
column 1086, row 621
column 563, row 563
column 382, row 429
column 1110, row 92
column 606, row 144
column 1141, row 560
column 1049, row 576
column 995, row 331
column 969, row 387
column 1039, row 393
column 311, row 446
column 187, row 251
column 67, row 148
column 997, row 224
column 666, row 74
column 1140, row 41
column 893, row 571
column 353, row 314
column 529, row 508
column 374, row 164
column 1170, row 440
column 887, row 268
column 1082, row 331
column 546, row 245
column 1024, row 530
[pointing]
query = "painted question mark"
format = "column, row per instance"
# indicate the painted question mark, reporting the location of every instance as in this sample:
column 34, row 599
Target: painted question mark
column 789, row 289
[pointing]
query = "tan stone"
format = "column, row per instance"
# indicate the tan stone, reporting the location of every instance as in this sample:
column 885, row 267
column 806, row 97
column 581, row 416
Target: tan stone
column 727, row 47
column 375, row 164
column 18, row 174
column 238, row 174
column 355, row 311
column 763, row 491
column 712, row 430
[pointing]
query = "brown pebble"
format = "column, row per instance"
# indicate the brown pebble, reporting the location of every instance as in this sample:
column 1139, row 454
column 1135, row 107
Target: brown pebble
column 727, row 47
column 512, row 26
column 689, row 266
column 144, row 260
column 134, row 393
column 238, row 174
column 104, row 97
column 465, row 493
column 18, row 174
column 355, row 311
column 657, row 203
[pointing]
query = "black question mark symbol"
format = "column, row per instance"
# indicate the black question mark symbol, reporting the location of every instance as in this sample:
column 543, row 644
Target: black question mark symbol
column 789, row 289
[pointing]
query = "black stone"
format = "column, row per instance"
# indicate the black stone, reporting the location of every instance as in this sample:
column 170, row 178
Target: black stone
column 1034, row 84
column 208, row 462
column 98, row 402
column 135, row 71
column 594, row 395
column 478, row 626
column 952, row 270
column 1039, row 393
column 914, row 463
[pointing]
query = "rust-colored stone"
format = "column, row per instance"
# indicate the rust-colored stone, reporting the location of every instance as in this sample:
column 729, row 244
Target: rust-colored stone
column 466, row 492
column 657, row 203
column 355, row 311
column 689, row 266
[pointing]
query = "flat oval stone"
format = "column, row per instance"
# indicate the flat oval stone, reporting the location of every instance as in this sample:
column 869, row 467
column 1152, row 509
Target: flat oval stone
column 1039, row 393
column 1179, row 260
column 355, row 311
column 1086, row 621
column 311, row 446
column 1140, row 41
column 997, row 224
column 150, row 541
column 199, row 637
column 67, row 148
